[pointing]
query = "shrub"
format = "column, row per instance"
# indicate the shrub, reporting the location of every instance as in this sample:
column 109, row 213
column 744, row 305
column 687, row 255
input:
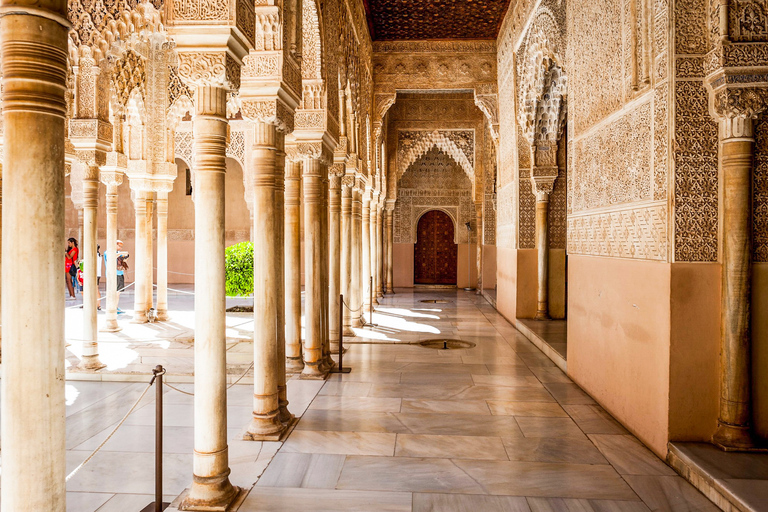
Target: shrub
column 239, row 269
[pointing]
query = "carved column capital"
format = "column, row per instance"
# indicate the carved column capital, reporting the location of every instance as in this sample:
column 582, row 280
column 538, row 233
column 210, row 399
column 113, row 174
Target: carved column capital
column 270, row 111
column 209, row 68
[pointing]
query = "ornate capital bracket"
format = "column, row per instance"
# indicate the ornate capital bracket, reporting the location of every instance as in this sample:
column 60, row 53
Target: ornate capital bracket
column 216, row 69
column 489, row 105
column 382, row 102
column 316, row 150
column 348, row 180
column 270, row 111
column 337, row 170
column 543, row 186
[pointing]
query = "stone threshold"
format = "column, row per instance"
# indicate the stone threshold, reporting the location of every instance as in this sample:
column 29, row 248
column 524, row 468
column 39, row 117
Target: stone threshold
column 735, row 482
column 527, row 328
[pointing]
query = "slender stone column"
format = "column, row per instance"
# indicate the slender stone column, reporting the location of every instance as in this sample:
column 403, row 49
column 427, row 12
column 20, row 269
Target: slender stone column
column 112, row 180
column 346, row 251
column 734, row 429
column 479, row 238
column 211, row 486
column 374, row 240
column 334, row 249
column 324, row 275
column 80, row 220
column 380, row 252
column 542, row 251
column 366, row 255
column 314, row 338
column 90, row 359
column 294, row 361
column 162, row 255
column 284, row 415
column 149, row 253
column 390, row 249
column 356, row 287
column 34, row 62
column 141, row 259
column 266, row 274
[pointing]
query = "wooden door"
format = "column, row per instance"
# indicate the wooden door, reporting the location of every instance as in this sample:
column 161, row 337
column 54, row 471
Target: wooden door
column 435, row 255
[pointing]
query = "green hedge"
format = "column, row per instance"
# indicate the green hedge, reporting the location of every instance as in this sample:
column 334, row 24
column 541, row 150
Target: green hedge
column 239, row 268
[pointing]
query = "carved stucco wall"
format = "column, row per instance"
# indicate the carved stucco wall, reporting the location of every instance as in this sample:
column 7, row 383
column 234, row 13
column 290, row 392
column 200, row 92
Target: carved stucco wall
column 435, row 181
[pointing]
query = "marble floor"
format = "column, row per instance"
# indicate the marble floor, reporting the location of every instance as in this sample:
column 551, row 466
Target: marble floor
column 489, row 428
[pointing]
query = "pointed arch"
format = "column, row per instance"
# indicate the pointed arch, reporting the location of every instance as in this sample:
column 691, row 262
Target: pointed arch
column 425, row 141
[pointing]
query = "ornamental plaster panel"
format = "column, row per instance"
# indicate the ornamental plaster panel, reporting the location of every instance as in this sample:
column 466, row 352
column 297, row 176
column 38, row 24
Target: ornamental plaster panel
column 691, row 27
column 696, row 175
column 760, row 190
column 637, row 232
column 660, row 142
column 459, row 144
column 612, row 165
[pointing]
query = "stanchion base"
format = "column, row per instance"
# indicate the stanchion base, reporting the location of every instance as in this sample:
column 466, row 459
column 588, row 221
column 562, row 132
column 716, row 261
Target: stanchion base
column 336, row 369
column 151, row 507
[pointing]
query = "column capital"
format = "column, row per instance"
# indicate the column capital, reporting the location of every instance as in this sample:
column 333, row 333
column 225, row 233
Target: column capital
column 542, row 186
column 316, row 149
column 210, row 69
column 271, row 111
column 111, row 178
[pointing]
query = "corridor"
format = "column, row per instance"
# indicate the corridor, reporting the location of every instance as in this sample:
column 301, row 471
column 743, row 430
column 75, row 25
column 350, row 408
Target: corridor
column 492, row 428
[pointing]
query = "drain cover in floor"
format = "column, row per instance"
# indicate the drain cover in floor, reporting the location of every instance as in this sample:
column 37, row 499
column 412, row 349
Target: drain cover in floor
column 435, row 301
column 446, row 344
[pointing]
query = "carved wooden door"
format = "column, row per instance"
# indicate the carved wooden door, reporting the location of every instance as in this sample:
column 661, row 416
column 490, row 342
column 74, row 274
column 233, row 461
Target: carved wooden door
column 435, row 255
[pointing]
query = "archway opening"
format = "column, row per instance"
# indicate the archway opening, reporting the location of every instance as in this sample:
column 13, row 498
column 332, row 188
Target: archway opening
column 435, row 258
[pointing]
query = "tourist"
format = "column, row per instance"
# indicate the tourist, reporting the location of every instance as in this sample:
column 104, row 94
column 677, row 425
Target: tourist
column 99, row 265
column 122, row 266
column 71, row 266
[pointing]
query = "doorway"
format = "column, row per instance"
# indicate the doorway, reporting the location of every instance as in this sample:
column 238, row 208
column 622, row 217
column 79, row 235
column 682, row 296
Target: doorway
column 435, row 254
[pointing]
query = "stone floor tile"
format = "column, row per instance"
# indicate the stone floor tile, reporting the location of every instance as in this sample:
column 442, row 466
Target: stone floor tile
column 351, row 421
column 574, row 505
column 547, row 479
column 553, row 449
column 86, row 501
column 416, row 405
column 346, row 388
column 509, row 408
column 271, row 499
column 669, row 494
column 593, row 419
column 568, row 393
column 629, row 456
column 548, row 427
column 307, row 470
column 506, row 380
column 129, row 502
column 373, row 404
column 406, row 474
column 435, row 502
column 450, row 447
column 478, row 369
column 460, row 424
column 459, row 379
column 518, row 393
column 351, row 443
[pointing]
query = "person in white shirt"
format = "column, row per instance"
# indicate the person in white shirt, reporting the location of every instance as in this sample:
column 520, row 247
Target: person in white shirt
column 99, row 265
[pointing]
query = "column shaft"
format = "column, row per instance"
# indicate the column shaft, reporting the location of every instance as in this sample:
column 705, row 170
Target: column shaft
column 162, row 256
column 346, row 256
column 542, row 246
column 266, row 274
column 374, row 221
column 110, row 267
column 90, row 359
column 149, row 276
column 379, row 252
column 366, row 255
column 324, row 276
column 334, row 248
column 314, row 338
column 34, row 63
column 211, row 486
column 390, row 251
column 141, row 258
column 733, row 432
column 294, row 360
column 357, row 289
column 282, row 391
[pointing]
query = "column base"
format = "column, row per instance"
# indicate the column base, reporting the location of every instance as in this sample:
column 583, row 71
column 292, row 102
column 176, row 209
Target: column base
column 734, row 438
column 314, row 371
column 294, row 364
column 391, row 290
column 211, row 494
column 542, row 315
column 162, row 315
column 348, row 332
column 91, row 363
column 265, row 429
column 139, row 317
column 111, row 328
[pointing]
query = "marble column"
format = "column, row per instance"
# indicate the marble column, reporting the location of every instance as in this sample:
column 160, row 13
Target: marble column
column 162, row 255
column 294, row 360
column 380, row 252
column 149, row 276
column 365, row 267
column 140, row 258
column 265, row 423
column 479, row 237
column 34, row 64
column 314, row 171
column 112, row 180
column 374, row 241
column 542, row 252
column 390, row 250
column 736, row 156
column 346, row 252
column 80, row 220
column 355, row 300
column 324, row 275
column 334, row 250
column 90, row 358
column 211, row 486
column 284, row 415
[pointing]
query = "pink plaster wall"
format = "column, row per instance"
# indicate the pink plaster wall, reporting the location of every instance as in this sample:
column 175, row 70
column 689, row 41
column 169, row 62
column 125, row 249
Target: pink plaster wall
column 489, row 267
column 619, row 342
column 506, row 282
column 760, row 347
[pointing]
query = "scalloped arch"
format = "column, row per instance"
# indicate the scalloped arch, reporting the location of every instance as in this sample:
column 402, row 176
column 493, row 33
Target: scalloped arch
column 427, row 141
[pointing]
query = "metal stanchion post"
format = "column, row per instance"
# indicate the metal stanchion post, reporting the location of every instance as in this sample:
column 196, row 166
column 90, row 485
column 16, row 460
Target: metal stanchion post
column 340, row 367
column 158, row 505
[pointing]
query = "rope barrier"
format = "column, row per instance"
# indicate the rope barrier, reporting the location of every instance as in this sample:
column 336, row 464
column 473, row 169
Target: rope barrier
column 361, row 305
column 228, row 387
column 74, row 472
column 80, row 306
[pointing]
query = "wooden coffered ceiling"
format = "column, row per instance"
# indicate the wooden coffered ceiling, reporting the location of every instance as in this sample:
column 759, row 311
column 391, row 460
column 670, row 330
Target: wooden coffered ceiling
column 399, row 20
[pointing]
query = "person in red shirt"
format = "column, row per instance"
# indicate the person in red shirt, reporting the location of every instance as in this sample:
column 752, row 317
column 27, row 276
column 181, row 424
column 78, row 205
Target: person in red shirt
column 71, row 266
